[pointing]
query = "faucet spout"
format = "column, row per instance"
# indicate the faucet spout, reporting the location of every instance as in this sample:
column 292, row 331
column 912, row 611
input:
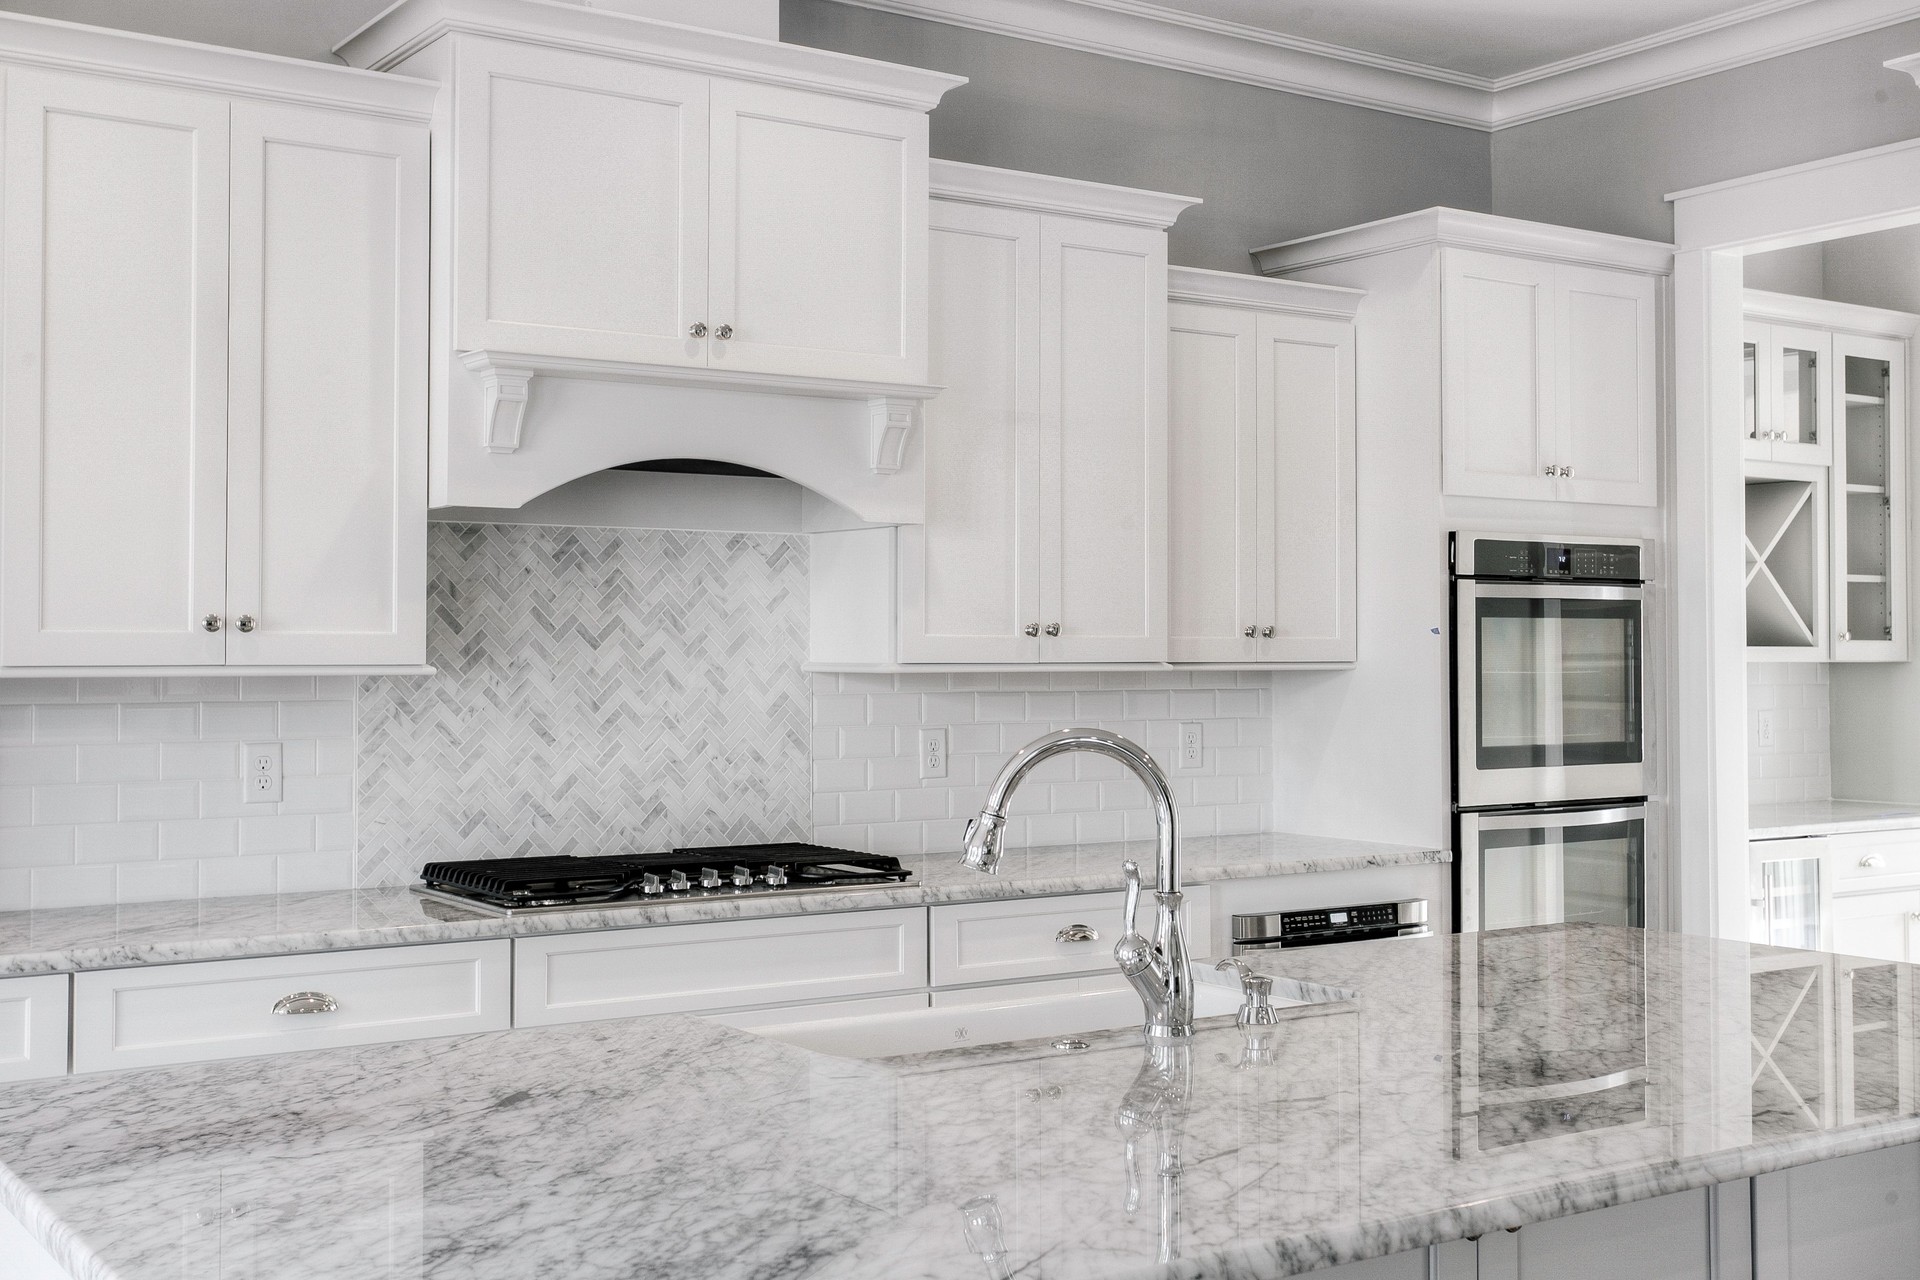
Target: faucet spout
column 1158, row 969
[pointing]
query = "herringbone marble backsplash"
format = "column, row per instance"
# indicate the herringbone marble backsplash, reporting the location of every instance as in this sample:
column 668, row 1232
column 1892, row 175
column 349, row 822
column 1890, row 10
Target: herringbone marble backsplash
column 598, row 690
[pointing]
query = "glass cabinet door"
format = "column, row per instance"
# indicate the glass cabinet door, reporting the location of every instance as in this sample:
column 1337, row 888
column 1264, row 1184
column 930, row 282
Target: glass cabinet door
column 1869, row 556
column 1790, row 903
column 1793, row 373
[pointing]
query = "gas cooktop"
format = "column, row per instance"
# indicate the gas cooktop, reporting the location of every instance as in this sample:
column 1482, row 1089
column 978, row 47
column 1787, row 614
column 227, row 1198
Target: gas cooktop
column 564, row 882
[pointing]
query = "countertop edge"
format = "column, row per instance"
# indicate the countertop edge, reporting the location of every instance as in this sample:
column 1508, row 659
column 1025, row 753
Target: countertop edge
column 46, row 1228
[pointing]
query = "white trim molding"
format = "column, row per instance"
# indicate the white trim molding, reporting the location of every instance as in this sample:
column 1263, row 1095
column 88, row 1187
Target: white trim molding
column 1849, row 194
column 1044, row 193
column 1464, row 229
column 1237, row 289
column 1139, row 31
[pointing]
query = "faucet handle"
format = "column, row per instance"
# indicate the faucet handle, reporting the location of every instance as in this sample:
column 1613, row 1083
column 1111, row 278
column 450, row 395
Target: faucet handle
column 1131, row 870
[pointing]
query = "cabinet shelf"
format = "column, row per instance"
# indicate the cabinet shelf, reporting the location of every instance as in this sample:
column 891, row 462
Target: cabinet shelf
column 1856, row 401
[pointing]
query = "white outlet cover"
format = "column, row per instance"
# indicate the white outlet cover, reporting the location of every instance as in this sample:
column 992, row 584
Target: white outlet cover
column 265, row 773
column 933, row 753
column 1193, row 745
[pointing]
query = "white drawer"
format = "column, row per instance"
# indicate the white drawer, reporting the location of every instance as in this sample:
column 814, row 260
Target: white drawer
column 1870, row 855
column 1014, row 938
column 33, row 1027
column 225, row 1008
column 720, row 964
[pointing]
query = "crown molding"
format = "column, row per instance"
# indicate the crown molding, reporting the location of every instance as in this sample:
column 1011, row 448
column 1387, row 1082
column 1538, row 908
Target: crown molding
column 1459, row 228
column 1237, row 289
column 1044, row 193
column 1139, row 31
column 183, row 64
column 409, row 26
column 1845, row 317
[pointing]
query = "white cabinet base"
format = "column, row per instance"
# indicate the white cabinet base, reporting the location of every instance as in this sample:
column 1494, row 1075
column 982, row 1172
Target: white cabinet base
column 33, row 1027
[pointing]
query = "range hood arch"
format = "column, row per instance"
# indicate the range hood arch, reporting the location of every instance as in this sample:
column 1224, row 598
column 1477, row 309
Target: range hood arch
column 533, row 423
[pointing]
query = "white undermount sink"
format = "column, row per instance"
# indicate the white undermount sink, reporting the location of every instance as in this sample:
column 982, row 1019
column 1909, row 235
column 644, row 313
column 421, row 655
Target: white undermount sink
column 1013, row 1017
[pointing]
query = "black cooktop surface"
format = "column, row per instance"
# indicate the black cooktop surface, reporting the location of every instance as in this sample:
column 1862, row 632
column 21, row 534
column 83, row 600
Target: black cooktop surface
column 713, row 870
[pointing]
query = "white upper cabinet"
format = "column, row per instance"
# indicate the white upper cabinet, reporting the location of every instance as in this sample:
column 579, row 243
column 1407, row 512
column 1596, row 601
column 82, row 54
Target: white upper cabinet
column 1550, row 380
column 1046, row 451
column 1548, row 346
column 580, row 205
column 1262, row 494
column 215, row 332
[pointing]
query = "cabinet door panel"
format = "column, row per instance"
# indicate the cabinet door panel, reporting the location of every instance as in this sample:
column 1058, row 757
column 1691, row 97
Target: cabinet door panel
column 1497, row 359
column 1307, row 540
column 1799, row 363
column 819, row 234
column 1213, row 483
column 1663, row 1238
column 1103, row 453
column 1847, row 1219
column 1879, row 926
column 969, row 576
column 114, row 455
column 327, row 439
column 1757, row 416
column 581, row 205
column 1608, row 393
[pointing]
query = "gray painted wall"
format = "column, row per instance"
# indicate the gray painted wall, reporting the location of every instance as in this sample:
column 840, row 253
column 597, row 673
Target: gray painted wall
column 1607, row 168
column 1269, row 165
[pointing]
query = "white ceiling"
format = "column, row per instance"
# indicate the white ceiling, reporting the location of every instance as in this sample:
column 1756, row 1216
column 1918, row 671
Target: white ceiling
column 1488, row 39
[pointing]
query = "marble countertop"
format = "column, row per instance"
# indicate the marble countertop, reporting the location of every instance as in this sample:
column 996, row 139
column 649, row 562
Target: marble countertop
column 678, row 1147
column 1829, row 817
column 77, row 938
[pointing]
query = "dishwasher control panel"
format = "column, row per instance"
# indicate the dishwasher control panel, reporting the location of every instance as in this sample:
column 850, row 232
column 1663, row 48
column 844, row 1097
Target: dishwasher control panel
column 1319, row 926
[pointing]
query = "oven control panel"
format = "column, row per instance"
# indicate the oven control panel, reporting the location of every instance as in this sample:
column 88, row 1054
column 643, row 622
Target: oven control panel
column 1550, row 561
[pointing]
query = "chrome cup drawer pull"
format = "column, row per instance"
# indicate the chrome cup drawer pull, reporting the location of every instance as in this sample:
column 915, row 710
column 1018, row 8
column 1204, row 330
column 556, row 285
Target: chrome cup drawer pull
column 306, row 1002
column 1077, row 933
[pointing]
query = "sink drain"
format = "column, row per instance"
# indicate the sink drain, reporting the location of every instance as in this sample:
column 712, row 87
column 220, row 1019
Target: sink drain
column 1067, row 1044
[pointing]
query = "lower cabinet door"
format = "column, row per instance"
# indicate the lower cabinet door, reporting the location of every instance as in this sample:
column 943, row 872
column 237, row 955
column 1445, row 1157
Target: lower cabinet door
column 1854, row 1218
column 716, row 965
column 33, row 1027
column 1664, row 1238
column 165, row 1014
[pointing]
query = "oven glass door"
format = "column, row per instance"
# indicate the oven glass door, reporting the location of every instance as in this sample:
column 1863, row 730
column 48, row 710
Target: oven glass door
column 1553, row 868
column 1549, row 691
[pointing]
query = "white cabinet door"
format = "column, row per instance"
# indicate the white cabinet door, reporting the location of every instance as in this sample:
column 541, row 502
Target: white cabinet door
column 969, row 577
column 1497, row 363
column 1664, row 1238
column 1213, row 484
column 113, row 466
column 33, row 1027
column 819, row 235
column 580, row 209
column 1607, row 438
column 1799, row 364
column 326, row 531
column 1877, row 925
column 1103, row 442
column 1853, row 1218
column 1757, row 417
column 1308, row 578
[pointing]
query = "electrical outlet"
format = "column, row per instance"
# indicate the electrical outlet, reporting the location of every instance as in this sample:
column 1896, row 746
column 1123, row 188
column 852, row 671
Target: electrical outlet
column 265, row 773
column 933, row 753
column 1764, row 730
column 1193, row 746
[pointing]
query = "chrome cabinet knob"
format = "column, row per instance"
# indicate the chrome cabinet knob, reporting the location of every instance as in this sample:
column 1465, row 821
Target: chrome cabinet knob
column 1873, row 860
column 1077, row 933
column 1266, row 633
column 1248, row 633
column 709, row 878
column 742, row 877
column 211, row 622
column 724, row 332
column 1053, row 628
column 306, row 1002
column 244, row 622
column 1567, row 472
column 698, row 329
column 651, row 886
column 1553, row 471
column 1032, row 628
column 1846, row 635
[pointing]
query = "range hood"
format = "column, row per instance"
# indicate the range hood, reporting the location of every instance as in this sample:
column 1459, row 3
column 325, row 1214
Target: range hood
column 660, row 240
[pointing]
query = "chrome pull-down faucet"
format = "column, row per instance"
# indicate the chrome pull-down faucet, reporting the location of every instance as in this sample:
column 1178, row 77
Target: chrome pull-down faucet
column 1158, row 969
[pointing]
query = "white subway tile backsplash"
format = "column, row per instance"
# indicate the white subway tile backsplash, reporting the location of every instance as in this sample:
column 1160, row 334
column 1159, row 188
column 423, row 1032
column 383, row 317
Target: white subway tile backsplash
column 116, row 763
column 187, row 838
column 62, row 804
column 78, row 723
column 155, row 882
column 72, row 886
column 16, row 890
column 1797, row 764
column 16, row 726
column 22, row 765
column 162, row 722
column 239, row 721
column 146, row 801
column 276, row 833
column 235, row 877
column 316, row 719
column 16, row 806
column 314, row 872
column 36, row 846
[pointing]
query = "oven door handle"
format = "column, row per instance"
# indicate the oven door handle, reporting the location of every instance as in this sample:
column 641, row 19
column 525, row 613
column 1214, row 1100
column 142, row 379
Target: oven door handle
column 1556, row 818
column 1481, row 590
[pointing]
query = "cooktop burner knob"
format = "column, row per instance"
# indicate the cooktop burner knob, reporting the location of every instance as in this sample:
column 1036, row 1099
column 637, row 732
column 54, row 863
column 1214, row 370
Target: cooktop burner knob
column 677, row 881
column 776, row 876
column 742, row 877
column 650, row 884
column 709, row 878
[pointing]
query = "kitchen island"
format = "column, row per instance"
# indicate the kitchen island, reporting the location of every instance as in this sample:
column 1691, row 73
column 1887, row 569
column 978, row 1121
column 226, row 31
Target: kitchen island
column 1469, row 1085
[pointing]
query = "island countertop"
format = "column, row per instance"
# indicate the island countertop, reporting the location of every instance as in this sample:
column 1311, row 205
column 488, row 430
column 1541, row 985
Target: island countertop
column 676, row 1147
column 72, row 939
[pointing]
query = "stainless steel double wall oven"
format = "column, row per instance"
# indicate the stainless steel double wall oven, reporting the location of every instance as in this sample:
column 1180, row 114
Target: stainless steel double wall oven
column 1549, row 717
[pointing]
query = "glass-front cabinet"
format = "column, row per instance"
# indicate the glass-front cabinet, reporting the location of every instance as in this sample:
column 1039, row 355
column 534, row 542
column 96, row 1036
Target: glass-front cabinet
column 1789, row 410
column 1869, row 546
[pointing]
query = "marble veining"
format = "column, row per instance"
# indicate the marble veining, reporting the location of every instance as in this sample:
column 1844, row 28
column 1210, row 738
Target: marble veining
column 1829, row 817
column 78, row 938
column 677, row 1147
